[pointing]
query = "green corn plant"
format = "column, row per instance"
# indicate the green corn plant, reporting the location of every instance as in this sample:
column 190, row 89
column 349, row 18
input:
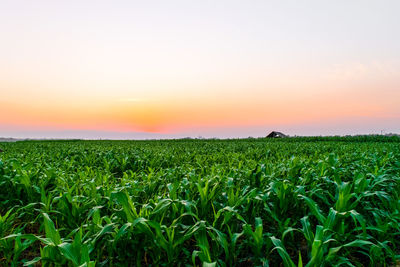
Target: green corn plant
column 77, row 252
column 169, row 239
column 206, row 194
column 127, row 205
column 309, row 201
column 256, row 235
column 199, row 230
column 344, row 197
column 11, row 248
column 287, row 261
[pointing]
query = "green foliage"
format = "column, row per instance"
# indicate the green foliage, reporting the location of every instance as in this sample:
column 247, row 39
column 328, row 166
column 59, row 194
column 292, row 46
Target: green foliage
column 251, row 202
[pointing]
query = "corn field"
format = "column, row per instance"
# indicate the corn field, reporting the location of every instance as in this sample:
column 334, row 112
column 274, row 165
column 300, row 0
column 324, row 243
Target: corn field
column 240, row 202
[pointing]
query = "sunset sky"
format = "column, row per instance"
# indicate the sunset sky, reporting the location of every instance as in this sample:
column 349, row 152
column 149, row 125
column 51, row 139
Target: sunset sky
column 161, row 69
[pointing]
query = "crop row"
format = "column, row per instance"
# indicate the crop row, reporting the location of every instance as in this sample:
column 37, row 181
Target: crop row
column 244, row 202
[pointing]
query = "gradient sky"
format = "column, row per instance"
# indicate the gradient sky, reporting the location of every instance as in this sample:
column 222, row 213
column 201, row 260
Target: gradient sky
column 149, row 69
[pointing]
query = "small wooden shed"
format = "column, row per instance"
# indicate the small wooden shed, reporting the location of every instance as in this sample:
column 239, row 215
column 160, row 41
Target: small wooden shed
column 275, row 134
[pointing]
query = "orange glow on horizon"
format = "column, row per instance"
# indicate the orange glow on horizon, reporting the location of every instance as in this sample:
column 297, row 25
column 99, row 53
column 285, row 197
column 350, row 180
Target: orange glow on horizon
column 173, row 115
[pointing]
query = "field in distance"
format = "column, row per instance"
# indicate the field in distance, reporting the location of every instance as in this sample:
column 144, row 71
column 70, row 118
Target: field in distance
column 240, row 202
